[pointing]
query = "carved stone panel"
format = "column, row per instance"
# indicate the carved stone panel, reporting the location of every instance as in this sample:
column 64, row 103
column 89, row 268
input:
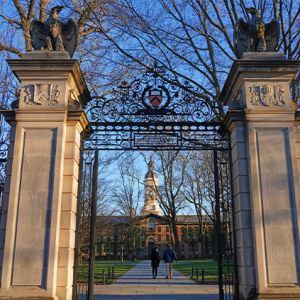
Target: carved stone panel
column 267, row 95
column 277, row 233
column 35, row 200
column 41, row 94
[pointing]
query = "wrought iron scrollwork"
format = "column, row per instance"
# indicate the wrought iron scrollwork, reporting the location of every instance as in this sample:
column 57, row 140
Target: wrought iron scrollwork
column 154, row 111
column 153, row 97
column 3, row 159
column 4, row 144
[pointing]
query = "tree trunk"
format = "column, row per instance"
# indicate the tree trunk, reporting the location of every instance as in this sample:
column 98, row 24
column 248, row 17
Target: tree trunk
column 202, row 241
column 176, row 239
column 134, row 246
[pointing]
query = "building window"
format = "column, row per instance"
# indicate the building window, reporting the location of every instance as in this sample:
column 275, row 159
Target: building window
column 159, row 238
column 151, row 224
column 167, row 237
column 167, row 228
column 158, row 229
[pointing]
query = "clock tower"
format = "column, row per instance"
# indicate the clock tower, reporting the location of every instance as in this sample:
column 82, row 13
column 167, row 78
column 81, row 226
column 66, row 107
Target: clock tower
column 151, row 204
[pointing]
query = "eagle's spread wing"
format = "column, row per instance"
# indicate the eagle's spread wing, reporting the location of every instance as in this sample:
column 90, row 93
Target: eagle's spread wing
column 242, row 37
column 38, row 33
column 70, row 35
column 272, row 35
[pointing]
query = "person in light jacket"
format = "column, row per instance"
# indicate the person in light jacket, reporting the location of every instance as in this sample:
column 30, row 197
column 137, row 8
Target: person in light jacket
column 168, row 257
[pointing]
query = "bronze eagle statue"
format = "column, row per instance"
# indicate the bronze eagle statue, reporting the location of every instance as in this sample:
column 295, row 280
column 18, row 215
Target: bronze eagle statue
column 255, row 35
column 53, row 34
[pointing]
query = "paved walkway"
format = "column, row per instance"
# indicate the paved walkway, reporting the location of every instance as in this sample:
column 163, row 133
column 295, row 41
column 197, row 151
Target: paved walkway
column 138, row 284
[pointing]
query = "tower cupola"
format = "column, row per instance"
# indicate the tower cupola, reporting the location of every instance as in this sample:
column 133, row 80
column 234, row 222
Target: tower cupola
column 151, row 204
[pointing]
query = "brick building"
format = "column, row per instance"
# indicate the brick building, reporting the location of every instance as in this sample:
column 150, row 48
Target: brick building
column 151, row 228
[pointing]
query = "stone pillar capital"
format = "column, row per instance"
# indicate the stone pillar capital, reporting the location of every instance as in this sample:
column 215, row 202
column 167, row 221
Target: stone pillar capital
column 260, row 83
column 50, row 82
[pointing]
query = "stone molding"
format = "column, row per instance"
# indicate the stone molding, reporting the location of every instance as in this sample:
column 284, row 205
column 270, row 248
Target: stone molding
column 256, row 71
column 29, row 71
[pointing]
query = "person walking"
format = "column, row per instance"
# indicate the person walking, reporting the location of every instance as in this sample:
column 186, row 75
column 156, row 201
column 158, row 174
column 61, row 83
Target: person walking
column 168, row 257
column 155, row 260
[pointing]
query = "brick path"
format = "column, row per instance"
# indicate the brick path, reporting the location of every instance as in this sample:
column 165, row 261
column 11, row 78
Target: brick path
column 138, row 284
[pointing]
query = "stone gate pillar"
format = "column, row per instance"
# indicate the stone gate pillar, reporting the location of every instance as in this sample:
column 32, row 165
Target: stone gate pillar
column 39, row 218
column 261, row 120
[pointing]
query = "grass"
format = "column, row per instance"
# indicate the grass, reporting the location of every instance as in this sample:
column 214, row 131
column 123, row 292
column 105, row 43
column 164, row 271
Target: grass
column 109, row 270
column 189, row 268
column 105, row 272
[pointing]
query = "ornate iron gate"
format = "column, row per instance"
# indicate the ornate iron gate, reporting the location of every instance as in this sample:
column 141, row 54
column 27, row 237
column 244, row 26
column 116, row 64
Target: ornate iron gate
column 157, row 112
column 84, row 265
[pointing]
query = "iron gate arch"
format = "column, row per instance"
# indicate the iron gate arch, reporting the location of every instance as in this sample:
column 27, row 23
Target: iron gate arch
column 158, row 112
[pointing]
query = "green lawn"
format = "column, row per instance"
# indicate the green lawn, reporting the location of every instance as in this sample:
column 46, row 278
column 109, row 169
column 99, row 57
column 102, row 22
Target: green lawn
column 207, row 267
column 105, row 271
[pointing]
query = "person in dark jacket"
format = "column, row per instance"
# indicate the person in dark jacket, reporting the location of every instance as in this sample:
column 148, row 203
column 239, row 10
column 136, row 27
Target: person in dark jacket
column 155, row 260
column 169, row 257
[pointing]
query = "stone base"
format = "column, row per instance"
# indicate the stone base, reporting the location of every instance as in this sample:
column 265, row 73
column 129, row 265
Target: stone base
column 46, row 54
column 282, row 296
column 27, row 298
column 263, row 56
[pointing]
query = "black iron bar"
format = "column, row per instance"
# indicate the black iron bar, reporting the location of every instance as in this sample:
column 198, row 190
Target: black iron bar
column 218, row 226
column 202, row 126
column 93, row 227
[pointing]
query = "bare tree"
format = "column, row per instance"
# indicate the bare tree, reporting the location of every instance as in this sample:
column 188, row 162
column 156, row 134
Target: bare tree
column 103, row 200
column 127, row 197
column 199, row 191
column 191, row 38
column 15, row 19
column 172, row 167
column 122, row 233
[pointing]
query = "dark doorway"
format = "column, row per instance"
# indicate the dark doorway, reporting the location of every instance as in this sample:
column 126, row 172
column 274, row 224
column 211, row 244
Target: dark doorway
column 151, row 244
